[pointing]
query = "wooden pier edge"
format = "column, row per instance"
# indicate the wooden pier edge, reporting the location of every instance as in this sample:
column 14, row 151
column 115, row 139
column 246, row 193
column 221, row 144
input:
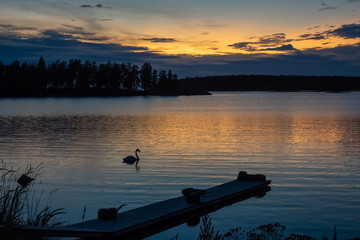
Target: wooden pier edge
column 191, row 214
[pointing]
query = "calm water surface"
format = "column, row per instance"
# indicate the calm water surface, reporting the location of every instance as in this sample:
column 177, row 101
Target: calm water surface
column 308, row 144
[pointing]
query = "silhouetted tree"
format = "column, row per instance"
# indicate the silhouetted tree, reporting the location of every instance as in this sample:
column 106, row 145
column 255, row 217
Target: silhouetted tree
column 28, row 71
column 103, row 76
column 154, row 78
column 84, row 78
column 134, row 76
column 93, row 68
column 162, row 81
column 168, row 83
column 170, row 76
column 57, row 73
column 41, row 77
column 172, row 82
column 131, row 78
column 73, row 73
column 13, row 78
column 2, row 77
column 146, row 77
column 115, row 76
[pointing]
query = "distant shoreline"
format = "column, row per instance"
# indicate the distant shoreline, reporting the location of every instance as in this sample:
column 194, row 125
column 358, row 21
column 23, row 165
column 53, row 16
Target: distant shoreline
column 164, row 95
column 281, row 83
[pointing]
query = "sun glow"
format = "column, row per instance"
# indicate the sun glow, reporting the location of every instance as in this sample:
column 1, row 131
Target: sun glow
column 223, row 48
column 226, row 42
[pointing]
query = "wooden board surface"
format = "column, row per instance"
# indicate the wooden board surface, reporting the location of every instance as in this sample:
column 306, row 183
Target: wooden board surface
column 153, row 218
column 173, row 208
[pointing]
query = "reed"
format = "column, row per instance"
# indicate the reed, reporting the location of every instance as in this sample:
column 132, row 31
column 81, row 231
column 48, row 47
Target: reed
column 207, row 231
column 20, row 203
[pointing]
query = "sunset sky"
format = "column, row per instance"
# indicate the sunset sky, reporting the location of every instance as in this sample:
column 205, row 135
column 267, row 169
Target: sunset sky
column 194, row 38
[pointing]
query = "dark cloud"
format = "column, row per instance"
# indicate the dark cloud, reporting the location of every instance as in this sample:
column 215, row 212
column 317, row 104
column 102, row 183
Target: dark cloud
column 11, row 27
column 53, row 46
column 353, row 1
column 65, row 32
column 93, row 6
column 316, row 36
column 160, row 40
column 74, row 27
column 246, row 46
column 287, row 47
column 62, row 2
column 343, row 52
column 273, row 39
column 325, row 6
column 56, row 35
column 266, row 41
column 79, row 33
column 311, row 28
column 240, row 45
column 347, row 31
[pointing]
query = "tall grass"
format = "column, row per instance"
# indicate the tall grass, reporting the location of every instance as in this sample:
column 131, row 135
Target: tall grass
column 207, row 231
column 20, row 203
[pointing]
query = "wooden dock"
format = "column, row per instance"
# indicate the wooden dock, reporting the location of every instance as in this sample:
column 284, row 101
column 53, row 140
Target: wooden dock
column 151, row 219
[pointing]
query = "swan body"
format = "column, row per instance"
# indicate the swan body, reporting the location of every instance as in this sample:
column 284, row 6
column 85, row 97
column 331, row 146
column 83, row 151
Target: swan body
column 131, row 159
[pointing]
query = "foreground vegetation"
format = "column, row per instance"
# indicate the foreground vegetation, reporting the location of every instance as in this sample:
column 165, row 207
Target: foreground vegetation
column 21, row 203
column 264, row 232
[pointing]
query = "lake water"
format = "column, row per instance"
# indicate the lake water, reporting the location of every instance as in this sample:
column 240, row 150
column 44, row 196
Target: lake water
column 308, row 144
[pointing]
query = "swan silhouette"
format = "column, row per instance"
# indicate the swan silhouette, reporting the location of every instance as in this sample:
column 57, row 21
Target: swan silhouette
column 131, row 159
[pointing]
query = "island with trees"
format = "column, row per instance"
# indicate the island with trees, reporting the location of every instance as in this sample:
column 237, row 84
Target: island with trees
column 77, row 79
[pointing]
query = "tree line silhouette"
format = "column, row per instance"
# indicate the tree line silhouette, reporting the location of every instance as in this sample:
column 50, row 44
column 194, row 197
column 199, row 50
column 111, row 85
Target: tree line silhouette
column 75, row 78
column 272, row 83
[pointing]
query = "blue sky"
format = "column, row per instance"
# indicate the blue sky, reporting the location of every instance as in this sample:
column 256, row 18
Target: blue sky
column 194, row 38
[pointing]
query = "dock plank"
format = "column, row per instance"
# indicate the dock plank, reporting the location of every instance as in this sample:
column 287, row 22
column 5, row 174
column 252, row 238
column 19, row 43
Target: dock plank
column 153, row 218
column 154, row 214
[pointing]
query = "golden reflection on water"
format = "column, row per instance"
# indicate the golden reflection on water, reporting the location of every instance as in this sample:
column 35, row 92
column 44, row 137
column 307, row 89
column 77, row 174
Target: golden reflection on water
column 218, row 132
column 195, row 130
column 183, row 135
